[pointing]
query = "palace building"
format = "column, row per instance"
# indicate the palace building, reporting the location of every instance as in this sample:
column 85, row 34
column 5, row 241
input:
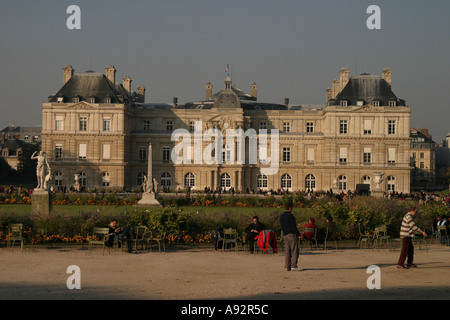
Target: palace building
column 100, row 129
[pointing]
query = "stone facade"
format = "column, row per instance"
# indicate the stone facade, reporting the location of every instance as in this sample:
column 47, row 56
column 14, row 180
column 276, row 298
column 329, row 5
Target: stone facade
column 103, row 135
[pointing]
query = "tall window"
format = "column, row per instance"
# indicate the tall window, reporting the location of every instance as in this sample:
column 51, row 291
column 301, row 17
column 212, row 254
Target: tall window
column 286, row 126
column 262, row 181
column 142, row 153
column 189, row 180
column 140, row 178
column 169, row 125
column 343, row 126
column 343, row 155
column 286, row 154
column 391, row 155
column 390, row 183
column 226, row 154
column 58, row 179
column 58, row 151
column 147, row 125
column 166, row 180
column 286, row 181
column 310, row 182
column 105, row 179
column 263, row 125
column 342, row 183
column 107, row 124
column 106, row 151
column 82, row 179
column 225, row 180
column 367, row 126
column 82, row 151
column 166, row 153
column 310, row 127
column 83, row 123
column 391, row 126
column 59, row 124
column 367, row 155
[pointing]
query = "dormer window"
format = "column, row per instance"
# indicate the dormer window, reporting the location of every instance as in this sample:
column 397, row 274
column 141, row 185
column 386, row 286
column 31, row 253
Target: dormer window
column 76, row 99
column 91, row 99
column 344, row 103
column 60, row 99
column 360, row 103
column 392, row 103
column 108, row 100
column 376, row 103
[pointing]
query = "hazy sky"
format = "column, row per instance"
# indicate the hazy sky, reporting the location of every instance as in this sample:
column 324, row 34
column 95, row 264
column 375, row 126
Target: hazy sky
column 291, row 49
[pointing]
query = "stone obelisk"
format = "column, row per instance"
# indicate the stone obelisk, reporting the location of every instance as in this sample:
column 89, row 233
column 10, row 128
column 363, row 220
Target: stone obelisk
column 149, row 186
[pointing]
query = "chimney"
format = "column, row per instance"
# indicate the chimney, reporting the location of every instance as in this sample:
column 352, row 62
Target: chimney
column 209, row 87
column 3, row 137
column 254, row 90
column 175, row 101
column 141, row 93
column 111, row 74
column 127, row 84
column 286, row 101
column 67, row 73
column 344, row 77
column 387, row 75
column 328, row 94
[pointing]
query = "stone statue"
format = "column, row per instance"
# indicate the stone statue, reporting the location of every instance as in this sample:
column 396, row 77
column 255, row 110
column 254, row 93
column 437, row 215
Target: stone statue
column 48, row 178
column 147, row 185
column 41, row 168
column 76, row 186
column 155, row 186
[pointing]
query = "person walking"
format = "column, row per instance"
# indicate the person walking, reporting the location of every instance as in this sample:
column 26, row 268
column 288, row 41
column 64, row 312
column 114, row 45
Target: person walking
column 407, row 230
column 290, row 238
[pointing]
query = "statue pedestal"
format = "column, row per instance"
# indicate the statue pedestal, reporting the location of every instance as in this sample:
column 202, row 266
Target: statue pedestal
column 377, row 193
column 148, row 200
column 41, row 201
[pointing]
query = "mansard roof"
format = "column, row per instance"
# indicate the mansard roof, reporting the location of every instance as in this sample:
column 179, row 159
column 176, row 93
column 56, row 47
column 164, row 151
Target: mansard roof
column 91, row 84
column 367, row 88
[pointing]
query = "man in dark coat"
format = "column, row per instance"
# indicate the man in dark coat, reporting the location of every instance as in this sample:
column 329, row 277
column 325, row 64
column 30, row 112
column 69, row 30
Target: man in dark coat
column 253, row 230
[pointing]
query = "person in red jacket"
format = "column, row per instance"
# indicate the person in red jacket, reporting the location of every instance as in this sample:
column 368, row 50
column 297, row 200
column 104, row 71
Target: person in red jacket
column 311, row 224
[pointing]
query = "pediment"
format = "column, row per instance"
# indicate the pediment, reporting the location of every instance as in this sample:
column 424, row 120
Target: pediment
column 225, row 122
column 369, row 108
column 83, row 105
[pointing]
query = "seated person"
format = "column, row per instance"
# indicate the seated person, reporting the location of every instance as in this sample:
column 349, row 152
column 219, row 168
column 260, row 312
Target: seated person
column 253, row 230
column 118, row 234
column 309, row 235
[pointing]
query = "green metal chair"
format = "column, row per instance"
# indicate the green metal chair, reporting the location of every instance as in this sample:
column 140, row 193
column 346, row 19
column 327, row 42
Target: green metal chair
column 138, row 235
column 330, row 236
column 15, row 234
column 158, row 237
column 380, row 235
column 99, row 237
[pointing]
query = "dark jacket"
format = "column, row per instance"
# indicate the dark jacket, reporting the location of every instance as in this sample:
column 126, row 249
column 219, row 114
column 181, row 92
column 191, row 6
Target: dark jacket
column 288, row 224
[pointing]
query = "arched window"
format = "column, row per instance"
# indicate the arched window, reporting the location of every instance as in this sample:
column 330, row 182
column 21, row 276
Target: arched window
column 82, row 179
column 262, row 181
column 391, row 183
column 140, row 178
column 310, row 182
column 189, row 180
column 166, row 179
column 286, row 181
column 58, row 179
column 342, row 183
column 105, row 179
column 365, row 180
column 225, row 181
